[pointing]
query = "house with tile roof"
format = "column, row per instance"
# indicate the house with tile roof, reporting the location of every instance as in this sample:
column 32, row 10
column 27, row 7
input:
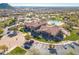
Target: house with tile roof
column 42, row 29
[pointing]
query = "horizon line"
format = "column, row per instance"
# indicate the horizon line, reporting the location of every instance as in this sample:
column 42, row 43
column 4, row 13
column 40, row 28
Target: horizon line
column 46, row 4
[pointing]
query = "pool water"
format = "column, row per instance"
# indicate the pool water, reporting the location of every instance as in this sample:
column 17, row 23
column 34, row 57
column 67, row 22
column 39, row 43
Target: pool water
column 55, row 22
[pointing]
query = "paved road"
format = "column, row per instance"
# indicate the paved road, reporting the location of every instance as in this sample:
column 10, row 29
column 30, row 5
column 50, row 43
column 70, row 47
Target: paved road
column 59, row 49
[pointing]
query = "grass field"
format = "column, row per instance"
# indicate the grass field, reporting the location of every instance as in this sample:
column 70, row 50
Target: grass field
column 44, row 40
column 17, row 51
column 73, row 36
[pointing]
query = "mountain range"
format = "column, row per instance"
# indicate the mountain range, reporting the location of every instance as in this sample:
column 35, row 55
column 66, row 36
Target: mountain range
column 5, row 6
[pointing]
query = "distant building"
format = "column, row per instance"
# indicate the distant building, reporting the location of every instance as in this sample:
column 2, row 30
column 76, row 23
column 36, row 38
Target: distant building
column 3, row 18
column 20, row 18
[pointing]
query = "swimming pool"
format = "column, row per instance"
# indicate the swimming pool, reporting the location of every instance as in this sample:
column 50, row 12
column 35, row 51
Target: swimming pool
column 55, row 22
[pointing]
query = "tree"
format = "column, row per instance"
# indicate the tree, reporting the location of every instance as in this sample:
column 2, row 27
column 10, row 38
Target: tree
column 3, row 47
column 10, row 22
column 51, row 46
column 14, row 28
column 1, row 35
column 28, row 37
column 21, row 24
column 1, row 30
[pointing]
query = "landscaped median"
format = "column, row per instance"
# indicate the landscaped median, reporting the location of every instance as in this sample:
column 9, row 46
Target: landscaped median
column 17, row 51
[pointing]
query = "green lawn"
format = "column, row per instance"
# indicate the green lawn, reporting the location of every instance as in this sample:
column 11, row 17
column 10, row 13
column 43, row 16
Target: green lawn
column 8, row 22
column 73, row 36
column 22, row 30
column 44, row 40
column 17, row 51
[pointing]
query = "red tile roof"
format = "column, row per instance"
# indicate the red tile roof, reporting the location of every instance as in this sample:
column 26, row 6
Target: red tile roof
column 35, row 24
column 51, row 30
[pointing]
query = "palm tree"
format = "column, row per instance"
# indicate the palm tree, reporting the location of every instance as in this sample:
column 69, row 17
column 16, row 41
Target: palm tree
column 51, row 46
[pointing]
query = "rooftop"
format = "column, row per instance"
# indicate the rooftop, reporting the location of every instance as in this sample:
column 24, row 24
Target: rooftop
column 34, row 23
column 44, row 27
column 53, row 30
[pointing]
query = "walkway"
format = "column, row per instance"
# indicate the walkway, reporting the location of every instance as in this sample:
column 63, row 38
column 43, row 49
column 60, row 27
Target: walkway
column 11, row 42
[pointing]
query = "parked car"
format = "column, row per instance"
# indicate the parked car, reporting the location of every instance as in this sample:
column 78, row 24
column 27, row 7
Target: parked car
column 65, row 46
column 12, row 33
column 71, row 45
column 28, row 44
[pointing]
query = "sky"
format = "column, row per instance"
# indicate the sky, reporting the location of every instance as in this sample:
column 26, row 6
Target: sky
column 45, row 4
